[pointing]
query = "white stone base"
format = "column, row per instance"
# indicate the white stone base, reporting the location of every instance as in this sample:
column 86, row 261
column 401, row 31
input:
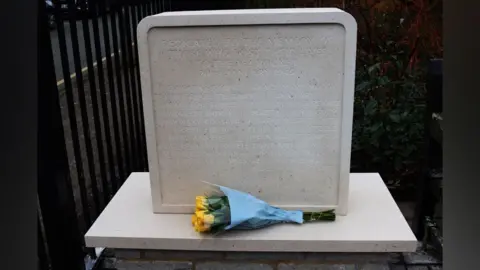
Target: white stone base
column 374, row 224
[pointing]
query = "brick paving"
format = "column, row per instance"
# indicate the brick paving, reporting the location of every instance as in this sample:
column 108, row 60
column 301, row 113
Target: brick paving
column 190, row 260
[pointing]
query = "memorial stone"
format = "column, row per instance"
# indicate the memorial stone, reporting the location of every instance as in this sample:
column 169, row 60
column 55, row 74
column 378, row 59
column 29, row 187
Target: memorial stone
column 256, row 100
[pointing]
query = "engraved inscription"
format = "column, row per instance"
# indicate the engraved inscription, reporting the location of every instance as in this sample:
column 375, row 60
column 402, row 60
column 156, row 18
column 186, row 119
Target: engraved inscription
column 253, row 108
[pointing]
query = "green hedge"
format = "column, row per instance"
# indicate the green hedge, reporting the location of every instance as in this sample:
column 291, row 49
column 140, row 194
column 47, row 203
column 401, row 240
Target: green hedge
column 396, row 38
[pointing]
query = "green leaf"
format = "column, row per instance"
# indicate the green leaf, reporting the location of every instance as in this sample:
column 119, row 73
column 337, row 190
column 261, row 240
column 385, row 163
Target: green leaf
column 362, row 86
column 399, row 65
column 376, row 126
column 373, row 68
column 376, row 136
column 394, row 116
column 371, row 107
column 383, row 80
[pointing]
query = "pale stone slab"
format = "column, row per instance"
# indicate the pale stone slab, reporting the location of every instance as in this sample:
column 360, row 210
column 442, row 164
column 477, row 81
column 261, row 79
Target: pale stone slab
column 374, row 224
column 256, row 100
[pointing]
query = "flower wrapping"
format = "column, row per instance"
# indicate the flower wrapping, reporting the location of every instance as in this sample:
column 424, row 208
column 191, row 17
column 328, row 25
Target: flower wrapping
column 234, row 209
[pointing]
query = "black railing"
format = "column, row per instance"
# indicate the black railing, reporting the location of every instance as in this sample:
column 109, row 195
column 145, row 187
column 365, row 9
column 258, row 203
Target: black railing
column 91, row 130
column 429, row 188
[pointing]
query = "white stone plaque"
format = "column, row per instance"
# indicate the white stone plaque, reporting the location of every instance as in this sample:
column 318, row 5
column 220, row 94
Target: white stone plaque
column 256, row 100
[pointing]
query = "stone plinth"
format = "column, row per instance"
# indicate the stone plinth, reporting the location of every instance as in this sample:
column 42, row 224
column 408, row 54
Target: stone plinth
column 256, row 100
column 374, row 225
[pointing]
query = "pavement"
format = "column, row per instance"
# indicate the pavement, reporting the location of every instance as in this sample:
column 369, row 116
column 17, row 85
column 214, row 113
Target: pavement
column 82, row 47
column 419, row 260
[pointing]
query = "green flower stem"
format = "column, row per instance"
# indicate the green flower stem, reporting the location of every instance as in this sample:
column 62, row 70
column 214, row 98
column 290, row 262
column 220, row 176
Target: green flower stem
column 216, row 202
column 319, row 216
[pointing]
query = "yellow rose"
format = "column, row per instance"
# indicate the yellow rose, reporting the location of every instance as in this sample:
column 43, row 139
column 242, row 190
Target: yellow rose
column 194, row 219
column 200, row 228
column 208, row 219
column 201, row 203
column 203, row 221
column 199, row 214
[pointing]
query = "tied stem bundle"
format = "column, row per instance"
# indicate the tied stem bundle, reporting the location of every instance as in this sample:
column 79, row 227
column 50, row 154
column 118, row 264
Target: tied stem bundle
column 214, row 214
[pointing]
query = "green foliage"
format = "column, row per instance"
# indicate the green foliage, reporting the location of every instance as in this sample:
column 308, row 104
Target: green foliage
column 395, row 39
column 389, row 113
column 395, row 42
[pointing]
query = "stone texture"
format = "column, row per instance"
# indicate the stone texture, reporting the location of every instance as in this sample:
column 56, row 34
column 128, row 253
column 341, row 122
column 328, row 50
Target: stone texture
column 152, row 265
column 285, row 90
column 373, row 267
column 127, row 253
column 398, row 267
column 128, row 223
column 420, row 257
column 109, row 263
column 366, row 258
column 265, row 256
column 108, row 252
column 417, row 267
column 316, row 267
column 394, row 258
column 232, row 266
column 182, row 255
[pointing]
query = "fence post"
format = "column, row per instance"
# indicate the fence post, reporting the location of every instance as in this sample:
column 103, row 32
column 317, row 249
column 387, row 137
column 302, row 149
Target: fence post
column 63, row 237
column 426, row 199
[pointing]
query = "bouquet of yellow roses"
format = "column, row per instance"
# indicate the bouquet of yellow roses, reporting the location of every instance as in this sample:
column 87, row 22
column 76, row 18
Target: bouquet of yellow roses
column 237, row 210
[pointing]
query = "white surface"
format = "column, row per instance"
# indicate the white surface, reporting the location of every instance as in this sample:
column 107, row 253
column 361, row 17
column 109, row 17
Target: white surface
column 257, row 100
column 374, row 224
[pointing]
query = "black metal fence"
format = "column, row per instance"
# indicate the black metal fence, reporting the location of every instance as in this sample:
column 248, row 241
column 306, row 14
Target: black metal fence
column 428, row 218
column 91, row 133
column 91, row 126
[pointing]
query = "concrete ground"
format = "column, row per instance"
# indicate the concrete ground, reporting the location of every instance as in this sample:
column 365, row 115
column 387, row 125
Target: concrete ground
column 81, row 37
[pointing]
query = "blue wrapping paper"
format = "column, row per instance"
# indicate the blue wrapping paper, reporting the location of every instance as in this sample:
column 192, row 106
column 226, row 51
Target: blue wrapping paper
column 248, row 212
